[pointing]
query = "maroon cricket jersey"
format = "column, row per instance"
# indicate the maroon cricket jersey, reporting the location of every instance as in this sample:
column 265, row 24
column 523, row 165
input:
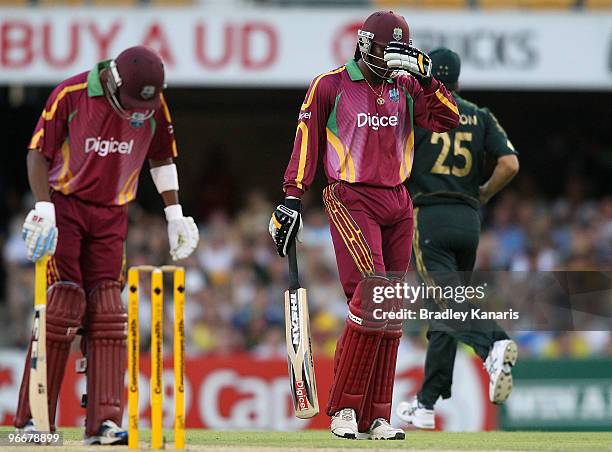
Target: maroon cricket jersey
column 362, row 140
column 93, row 153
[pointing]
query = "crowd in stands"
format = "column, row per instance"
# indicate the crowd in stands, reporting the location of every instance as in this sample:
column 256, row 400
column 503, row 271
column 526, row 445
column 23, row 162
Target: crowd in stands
column 235, row 281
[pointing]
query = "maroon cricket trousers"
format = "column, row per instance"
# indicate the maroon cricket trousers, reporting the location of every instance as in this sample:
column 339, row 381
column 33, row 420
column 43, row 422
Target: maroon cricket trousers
column 371, row 229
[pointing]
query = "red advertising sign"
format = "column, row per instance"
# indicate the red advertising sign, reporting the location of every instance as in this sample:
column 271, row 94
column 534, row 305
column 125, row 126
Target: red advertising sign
column 237, row 392
column 241, row 392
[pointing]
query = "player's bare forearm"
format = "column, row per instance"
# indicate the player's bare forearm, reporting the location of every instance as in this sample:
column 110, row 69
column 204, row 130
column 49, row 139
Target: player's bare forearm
column 157, row 163
column 169, row 197
column 507, row 167
column 38, row 175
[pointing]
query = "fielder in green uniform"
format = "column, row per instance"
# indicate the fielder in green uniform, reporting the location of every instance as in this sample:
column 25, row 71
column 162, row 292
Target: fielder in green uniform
column 447, row 190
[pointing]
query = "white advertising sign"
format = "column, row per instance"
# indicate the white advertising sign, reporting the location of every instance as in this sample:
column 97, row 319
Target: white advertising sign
column 288, row 47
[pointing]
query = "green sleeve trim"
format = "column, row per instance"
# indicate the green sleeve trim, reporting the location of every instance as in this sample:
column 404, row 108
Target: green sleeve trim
column 332, row 124
column 410, row 105
column 153, row 124
column 71, row 115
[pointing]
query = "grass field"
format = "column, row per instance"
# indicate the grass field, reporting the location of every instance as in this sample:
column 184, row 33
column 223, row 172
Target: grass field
column 321, row 440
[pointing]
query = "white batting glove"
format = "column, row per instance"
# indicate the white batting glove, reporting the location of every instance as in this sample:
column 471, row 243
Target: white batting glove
column 183, row 233
column 403, row 57
column 39, row 231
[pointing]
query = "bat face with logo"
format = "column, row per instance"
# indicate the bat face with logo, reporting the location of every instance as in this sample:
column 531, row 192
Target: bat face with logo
column 299, row 354
column 38, row 358
column 299, row 350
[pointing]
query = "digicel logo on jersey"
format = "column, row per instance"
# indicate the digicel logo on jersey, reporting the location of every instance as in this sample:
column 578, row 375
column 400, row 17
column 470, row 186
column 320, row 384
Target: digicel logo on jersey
column 105, row 147
column 375, row 121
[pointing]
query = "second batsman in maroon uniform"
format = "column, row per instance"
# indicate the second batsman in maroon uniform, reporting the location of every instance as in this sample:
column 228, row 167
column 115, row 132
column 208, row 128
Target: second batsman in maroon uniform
column 360, row 119
column 92, row 139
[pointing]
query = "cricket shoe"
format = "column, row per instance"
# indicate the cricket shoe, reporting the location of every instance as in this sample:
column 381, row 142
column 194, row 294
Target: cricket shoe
column 498, row 364
column 344, row 424
column 31, row 434
column 109, row 433
column 29, row 427
column 417, row 414
column 381, row 429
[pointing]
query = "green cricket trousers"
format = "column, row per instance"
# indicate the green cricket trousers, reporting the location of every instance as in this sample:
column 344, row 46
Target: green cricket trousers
column 445, row 242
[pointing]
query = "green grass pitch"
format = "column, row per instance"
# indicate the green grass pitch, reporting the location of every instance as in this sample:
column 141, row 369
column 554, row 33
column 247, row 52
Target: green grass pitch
column 322, row 440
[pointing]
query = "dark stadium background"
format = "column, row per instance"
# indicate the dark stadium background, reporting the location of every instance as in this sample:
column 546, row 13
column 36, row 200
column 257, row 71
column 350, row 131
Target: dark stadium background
column 232, row 141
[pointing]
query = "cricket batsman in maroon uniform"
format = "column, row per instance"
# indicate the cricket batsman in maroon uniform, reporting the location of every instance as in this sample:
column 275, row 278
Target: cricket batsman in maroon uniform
column 360, row 119
column 84, row 160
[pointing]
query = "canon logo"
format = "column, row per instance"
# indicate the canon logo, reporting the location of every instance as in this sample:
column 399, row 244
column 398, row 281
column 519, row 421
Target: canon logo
column 375, row 121
column 105, row 147
column 254, row 402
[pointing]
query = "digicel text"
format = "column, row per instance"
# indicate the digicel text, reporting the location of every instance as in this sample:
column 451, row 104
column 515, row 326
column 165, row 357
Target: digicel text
column 300, row 394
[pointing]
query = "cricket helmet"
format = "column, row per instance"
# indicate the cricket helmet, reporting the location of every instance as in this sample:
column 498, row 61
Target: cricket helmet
column 136, row 81
column 445, row 65
column 381, row 28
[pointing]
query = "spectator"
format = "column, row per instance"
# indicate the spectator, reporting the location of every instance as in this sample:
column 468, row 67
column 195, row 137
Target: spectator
column 236, row 282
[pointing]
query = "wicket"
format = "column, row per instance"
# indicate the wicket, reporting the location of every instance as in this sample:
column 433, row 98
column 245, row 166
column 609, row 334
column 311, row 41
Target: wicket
column 157, row 387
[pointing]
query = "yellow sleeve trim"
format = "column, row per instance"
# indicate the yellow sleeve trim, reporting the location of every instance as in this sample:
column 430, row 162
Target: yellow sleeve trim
column 447, row 102
column 337, row 145
column 127, row 193
column 310, row 97
column 169, row 121
column 166, row 109
column 36, row 139
column 303, row 151
column 343, row 157
column 48, row 115
column 407, row 154
column 65, row 174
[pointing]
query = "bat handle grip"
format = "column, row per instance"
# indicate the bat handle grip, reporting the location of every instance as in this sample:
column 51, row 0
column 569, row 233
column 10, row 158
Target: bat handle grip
column 294, row 278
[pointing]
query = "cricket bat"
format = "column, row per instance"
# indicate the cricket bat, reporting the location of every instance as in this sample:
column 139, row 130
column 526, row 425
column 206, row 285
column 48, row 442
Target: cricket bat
column 299, row 350
column 39, row 407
